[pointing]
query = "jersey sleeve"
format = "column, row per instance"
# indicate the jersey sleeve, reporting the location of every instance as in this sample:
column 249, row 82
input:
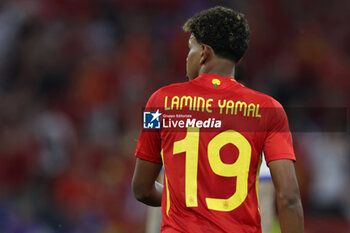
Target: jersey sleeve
column 149, row 143
column 278, row 141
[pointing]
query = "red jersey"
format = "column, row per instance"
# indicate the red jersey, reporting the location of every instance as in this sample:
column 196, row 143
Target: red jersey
column 213, row 132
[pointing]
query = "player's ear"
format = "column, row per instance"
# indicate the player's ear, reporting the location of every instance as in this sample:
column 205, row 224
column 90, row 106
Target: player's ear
column 205, row 53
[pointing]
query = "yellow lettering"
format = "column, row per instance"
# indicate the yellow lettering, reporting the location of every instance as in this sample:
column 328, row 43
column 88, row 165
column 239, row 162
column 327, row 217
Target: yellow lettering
column 175, row 101
column 221, row 106
column 208, row 105
column 201, row 102
column 230, row 104
column 241, row 105
column 186, row 99
column 251, row 109
column 165, row 104
column 257, row 111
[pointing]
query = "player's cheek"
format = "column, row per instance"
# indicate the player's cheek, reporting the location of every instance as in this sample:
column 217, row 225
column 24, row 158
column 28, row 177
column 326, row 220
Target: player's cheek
column 191, row 58
column 188, row 62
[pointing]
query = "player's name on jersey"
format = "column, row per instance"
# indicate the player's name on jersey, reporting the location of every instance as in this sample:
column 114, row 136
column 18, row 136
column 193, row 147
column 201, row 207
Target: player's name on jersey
column 198, row 103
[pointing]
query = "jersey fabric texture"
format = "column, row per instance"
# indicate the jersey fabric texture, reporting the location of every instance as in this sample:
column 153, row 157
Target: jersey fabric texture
column 211, row 175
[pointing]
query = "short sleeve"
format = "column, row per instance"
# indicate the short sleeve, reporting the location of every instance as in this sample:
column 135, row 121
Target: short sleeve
column 278, row 141
column 149, row 143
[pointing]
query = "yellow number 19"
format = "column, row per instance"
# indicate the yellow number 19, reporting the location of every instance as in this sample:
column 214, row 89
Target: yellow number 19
column 239, row 169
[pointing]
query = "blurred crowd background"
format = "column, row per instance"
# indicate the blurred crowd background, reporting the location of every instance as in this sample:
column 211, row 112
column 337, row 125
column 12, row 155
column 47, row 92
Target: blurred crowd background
column 75, row 74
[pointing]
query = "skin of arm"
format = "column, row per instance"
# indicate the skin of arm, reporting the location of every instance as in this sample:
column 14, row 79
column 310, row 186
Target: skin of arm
column 144, row 185
column 290, row 210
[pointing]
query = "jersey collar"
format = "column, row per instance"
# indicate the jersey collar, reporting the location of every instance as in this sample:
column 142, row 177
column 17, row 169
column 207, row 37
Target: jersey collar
column 214, row 81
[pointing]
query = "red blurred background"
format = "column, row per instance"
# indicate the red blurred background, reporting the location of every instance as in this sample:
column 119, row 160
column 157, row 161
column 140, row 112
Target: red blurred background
column 75, row 74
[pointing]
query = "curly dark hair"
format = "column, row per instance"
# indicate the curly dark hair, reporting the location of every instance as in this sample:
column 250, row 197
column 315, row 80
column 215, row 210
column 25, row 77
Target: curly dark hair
column 224, row 29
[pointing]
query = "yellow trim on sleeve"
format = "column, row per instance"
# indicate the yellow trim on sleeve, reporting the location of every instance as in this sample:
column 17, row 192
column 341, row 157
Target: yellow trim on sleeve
column 167, row 196
column 257, row 182
column 166, row 187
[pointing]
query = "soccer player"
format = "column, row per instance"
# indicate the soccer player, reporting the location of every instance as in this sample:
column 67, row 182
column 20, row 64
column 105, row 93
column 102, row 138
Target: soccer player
column 211, row 160
column 266, row 201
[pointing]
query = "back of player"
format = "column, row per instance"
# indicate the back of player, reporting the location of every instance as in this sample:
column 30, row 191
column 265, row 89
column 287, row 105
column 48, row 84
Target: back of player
column 211, row 170
column 209, row 134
